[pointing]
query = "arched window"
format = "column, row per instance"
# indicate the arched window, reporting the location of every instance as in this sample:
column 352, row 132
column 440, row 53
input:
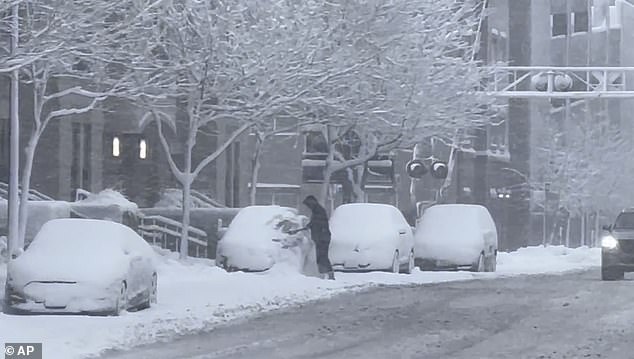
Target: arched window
column 116, row 147
column 142, row 149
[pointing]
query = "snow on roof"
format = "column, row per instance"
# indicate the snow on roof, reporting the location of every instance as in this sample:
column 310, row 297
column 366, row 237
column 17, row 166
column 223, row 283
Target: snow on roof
column 109, row 197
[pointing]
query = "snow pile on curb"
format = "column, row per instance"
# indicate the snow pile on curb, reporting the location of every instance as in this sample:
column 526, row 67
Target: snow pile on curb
column 195, row 296
column 552, row 259
column 108, row 197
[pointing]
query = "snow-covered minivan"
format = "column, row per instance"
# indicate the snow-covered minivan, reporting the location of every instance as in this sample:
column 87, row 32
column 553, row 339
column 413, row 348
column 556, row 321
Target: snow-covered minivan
column 455, row 236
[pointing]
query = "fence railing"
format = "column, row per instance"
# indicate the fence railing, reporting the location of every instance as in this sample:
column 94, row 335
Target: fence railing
column 206, row 200
column 34, row 195
column 166, row 233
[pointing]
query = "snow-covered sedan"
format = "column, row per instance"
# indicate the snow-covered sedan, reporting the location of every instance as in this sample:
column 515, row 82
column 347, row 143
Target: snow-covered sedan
column 260, row 236
column 370, row 236
column 82, row 266
column 456, row 235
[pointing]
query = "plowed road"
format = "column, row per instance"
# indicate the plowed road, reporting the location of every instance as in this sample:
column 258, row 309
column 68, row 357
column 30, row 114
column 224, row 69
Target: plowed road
column 550, row 316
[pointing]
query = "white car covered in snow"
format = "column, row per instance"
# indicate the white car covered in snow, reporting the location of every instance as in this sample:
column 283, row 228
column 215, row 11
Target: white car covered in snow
column 456, row 235
column 82, row 266
column 258, row 238
column 369, row 236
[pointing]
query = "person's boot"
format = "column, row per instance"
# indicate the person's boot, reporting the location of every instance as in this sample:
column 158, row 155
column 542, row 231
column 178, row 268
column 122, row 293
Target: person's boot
column 331, row 275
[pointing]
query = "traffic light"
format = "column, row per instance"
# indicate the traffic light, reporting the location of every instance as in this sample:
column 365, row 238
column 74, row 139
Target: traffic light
column 416, row 169
column 551, row 81
column 439, row 170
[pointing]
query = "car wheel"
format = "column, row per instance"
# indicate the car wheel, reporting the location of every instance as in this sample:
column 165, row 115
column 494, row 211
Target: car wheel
column 122, row 300
column 490, row 263
column 612, row 274
column 396, row 264
column 152, row 294
column 411, row 263
column 478, row 266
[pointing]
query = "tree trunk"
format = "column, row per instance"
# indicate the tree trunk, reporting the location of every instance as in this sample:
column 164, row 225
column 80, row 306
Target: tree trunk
column 26, row 186
column 187, row 186
column 358, row 184
column 323, row 195
column 597, row 229
column 255, row 168
column 568, row 223
column 583, row 228
column 184, row 248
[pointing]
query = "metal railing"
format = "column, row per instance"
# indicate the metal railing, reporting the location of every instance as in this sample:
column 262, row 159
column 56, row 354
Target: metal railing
column 34, row 195
column 166, row 233
column 206, row 200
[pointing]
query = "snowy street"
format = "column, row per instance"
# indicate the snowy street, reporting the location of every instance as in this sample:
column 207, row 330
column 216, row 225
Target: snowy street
column 197, row 297
column 573, row 315
column 316, row 179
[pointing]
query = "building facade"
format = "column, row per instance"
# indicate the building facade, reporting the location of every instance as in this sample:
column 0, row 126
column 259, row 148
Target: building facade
column 496, row 166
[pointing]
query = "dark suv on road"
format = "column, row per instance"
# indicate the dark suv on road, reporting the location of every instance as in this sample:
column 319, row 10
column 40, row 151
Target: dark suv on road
column 617, row 247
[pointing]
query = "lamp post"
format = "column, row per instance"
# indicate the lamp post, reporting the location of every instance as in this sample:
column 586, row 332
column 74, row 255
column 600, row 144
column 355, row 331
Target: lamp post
column 546, row 190
column 14, row 157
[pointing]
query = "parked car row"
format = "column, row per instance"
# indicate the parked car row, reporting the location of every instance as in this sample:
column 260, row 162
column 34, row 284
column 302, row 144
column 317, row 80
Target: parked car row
column 365, row 237
column 104, row 267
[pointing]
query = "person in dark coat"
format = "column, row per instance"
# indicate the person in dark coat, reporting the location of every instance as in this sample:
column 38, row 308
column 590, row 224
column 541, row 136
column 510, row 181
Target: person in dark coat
column 320, row 234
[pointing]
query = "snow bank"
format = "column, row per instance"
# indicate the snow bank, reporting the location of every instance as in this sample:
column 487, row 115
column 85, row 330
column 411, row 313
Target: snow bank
column 195, row 296
column 108, row 197
column 40, row 212
column 552, row 259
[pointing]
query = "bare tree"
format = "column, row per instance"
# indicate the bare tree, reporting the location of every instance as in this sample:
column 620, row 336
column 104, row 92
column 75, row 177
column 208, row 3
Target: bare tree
column 576, row 161
column 240, row 64
column 417, row 77
column 58, row 59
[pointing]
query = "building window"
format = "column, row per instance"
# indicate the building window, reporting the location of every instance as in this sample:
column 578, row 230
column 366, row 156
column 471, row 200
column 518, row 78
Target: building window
column 580, row 21
column 142, row 149
column 316, row 142
column 284, row 126
column 116, row 147
column 559, row 24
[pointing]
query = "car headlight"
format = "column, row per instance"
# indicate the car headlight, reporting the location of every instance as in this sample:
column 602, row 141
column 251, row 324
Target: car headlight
column 609, row 242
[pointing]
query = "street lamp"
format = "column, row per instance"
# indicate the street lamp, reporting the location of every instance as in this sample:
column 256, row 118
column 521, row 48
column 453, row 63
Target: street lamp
column 14, row 157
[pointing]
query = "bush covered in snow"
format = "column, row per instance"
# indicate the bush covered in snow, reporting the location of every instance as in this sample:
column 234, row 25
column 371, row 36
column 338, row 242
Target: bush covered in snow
column 108, row 197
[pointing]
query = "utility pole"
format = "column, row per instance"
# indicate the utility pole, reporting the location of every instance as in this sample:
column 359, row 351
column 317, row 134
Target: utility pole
column 14, row 160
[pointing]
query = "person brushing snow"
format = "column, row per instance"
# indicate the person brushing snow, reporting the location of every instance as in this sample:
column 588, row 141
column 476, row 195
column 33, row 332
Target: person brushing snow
column 320, row 234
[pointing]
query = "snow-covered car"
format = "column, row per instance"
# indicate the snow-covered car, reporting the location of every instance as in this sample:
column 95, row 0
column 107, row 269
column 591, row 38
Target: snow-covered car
column 456, row 235
column 369, row 236
column 257, row 238
column 82, row 266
